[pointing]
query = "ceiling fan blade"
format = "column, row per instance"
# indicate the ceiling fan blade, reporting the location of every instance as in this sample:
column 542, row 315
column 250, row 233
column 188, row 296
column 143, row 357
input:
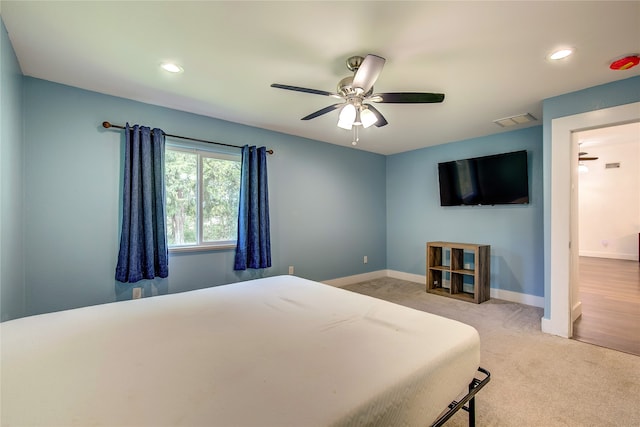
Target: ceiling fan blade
column 304, row 89
column 368, row 72
column 381, row 120
column 325, row 110
column 582, row 156
column 407, row 97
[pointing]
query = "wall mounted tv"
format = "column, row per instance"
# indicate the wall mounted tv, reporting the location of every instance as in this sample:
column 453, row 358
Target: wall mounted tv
column 500, row 179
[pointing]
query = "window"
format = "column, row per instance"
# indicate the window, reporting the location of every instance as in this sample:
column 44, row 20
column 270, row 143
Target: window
column 202, row 192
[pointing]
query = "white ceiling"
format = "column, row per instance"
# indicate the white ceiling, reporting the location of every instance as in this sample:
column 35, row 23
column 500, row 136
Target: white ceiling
column 489, row 58
column 619, row 134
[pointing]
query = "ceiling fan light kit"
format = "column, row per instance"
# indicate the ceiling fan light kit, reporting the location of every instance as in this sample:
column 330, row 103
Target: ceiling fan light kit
column 367, row 117
column 357, row 93
column 347, row 116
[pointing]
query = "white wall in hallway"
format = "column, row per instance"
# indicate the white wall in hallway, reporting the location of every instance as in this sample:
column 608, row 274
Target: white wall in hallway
column 609, row 198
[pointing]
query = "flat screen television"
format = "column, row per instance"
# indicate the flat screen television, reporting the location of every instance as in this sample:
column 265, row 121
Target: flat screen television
column 500, row 179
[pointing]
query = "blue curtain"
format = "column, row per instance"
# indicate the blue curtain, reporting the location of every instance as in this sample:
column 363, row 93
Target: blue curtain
column 144, row 253
column 253, row 248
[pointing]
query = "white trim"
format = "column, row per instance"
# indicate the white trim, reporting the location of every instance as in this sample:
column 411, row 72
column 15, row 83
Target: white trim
column 416, row 278
column 357, row 278
column 520, row 298
column 547, row 326
column 502, row 294
column 562, row 129
column 576, row 311
column 200, row 248
column 610, row 255
column 205, row 148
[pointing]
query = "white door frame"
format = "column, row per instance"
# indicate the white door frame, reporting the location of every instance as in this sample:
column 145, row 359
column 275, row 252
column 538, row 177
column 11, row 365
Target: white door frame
column 574, row 252
column 562, row 129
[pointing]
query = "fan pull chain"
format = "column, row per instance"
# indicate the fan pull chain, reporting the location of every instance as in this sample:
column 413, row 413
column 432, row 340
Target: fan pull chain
column 356, row 138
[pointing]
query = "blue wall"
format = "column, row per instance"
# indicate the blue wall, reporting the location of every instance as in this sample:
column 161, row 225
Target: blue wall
column 414, row 214
column 12, row 284
column 330, row 205
column 327, row 202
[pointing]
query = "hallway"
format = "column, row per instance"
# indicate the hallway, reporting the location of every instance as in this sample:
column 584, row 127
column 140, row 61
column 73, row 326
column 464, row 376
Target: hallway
column 610, row 295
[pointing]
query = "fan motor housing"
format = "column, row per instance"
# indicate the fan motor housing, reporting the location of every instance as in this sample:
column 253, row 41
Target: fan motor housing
column 354, row 62
column 345, row 87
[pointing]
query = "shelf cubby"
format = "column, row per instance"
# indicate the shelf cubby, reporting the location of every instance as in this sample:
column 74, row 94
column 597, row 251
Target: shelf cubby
column 465, row 265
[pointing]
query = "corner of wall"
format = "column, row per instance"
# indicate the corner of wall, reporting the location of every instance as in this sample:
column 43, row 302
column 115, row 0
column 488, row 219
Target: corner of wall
column 12, row 277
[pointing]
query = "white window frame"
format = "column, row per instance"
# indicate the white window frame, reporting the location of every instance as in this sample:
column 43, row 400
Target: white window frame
column 202, row 151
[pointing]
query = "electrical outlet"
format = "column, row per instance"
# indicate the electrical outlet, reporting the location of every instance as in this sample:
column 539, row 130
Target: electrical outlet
column 365, row 259
column 137, row 293
column 291, row 269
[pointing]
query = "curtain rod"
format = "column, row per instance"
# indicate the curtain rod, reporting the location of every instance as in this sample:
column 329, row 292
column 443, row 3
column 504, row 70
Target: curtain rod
column 108, row 125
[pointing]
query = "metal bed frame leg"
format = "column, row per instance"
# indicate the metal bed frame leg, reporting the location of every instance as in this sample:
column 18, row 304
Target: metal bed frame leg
column 472, row 408
column 468, row 400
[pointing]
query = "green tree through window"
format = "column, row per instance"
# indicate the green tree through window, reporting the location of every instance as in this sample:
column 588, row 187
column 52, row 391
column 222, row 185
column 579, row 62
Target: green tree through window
column 202, row 190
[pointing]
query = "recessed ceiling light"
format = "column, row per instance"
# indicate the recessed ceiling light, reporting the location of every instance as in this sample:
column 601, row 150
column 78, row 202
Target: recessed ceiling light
column 561, row 53
column 171, row 67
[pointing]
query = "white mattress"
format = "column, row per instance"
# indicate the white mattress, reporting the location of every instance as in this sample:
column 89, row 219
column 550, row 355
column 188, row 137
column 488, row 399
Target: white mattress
column 280, row 351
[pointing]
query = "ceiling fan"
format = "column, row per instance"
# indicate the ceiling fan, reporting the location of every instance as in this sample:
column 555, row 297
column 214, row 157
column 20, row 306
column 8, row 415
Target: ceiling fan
column 357, row 94
column 582, row 157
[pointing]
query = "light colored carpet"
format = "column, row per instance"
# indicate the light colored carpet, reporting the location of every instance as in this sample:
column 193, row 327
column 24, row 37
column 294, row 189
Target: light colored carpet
column 536, row 379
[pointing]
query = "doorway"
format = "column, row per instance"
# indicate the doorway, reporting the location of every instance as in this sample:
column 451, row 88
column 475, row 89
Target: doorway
column 608, row 221
column 561, row 294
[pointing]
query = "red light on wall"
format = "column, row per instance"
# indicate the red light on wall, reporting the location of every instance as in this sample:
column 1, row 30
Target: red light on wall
column 625, row 63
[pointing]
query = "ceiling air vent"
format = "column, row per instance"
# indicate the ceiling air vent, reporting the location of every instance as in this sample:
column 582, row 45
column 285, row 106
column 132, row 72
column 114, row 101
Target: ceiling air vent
column 515, row 120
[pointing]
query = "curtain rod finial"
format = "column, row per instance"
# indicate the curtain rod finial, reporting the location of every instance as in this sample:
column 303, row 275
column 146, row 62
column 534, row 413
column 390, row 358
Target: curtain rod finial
column 106, row 125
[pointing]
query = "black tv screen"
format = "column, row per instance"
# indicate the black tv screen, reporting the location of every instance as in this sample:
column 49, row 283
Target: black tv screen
column 499, row 179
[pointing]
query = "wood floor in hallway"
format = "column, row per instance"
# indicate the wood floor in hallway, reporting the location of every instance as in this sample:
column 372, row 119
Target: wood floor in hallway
column 610, row 295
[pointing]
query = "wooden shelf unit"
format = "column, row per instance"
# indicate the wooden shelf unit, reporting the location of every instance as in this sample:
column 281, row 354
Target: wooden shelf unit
column 478, row 271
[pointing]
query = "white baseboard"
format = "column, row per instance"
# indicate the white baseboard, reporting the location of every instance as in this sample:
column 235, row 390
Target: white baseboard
column 526, row 299
column 548, row 327
column 502, row 294
column 348, row 280
column 611, row 255
column 416, row 278
column 576, row 311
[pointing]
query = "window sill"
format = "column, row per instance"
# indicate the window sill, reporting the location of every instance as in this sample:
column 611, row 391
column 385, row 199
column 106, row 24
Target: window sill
column 201, row 248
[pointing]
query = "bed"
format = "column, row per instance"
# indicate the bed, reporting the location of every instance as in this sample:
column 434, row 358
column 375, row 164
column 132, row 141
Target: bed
column 278, row 351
